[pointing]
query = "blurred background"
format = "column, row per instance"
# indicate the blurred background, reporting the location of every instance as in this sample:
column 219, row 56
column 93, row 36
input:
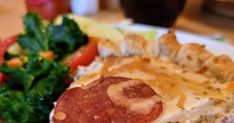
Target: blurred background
column 205, row 17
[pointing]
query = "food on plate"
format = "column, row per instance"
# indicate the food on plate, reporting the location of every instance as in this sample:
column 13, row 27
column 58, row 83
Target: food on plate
column 95, row 28
column 148, row 35
column 161, row 81
column 167, row 46
column 33, row 74
column 220, row 67
column 185, row 96
column 106, row 48
column 133, row 44
column 192, row 56
column 82, row 56
column 79, row 70
column 5, row 45
column 99, row 29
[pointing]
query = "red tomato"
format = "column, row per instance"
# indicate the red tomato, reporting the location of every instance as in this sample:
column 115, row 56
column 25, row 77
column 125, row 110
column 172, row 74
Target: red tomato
column 1, row 78
column 82, row 56
column 86, row 57
column 4, row 45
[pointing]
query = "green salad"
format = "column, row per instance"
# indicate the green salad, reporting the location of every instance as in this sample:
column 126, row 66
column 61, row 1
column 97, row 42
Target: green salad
column 30, row 81
column 35, row 65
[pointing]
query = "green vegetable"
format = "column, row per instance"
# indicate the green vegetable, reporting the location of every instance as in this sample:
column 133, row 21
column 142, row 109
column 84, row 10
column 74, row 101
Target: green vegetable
column 35, row 37
column 63, row 39
column 84, row 22
column 28, row 96
column 66, row 38
column 15, row 49
column 12, row 101
column 102, row 30
column 148, row 35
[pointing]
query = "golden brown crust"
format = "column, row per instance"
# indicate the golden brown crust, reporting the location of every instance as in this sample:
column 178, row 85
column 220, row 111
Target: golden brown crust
column 133, row 44
column 192, row 56
column 107, row 48
column 166, row 46
column 219, row 67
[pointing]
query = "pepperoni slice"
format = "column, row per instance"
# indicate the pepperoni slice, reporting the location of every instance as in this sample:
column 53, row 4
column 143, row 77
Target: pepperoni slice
column 94, row 104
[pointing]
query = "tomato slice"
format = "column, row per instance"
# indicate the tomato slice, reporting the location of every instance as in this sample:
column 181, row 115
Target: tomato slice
column 86, row 57
column 4, row 45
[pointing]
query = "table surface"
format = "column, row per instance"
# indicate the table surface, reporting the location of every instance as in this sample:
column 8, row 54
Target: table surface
column 11, row 12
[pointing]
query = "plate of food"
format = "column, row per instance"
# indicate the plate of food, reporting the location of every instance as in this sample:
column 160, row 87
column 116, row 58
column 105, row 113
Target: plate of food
column 216, row 46
column 78, row 70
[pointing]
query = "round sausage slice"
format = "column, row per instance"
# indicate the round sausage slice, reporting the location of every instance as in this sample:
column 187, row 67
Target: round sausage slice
column 112, row 99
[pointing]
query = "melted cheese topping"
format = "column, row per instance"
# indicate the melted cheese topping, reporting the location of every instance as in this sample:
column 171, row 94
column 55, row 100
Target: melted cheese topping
column 139, row 105
column 167, row 78
column 184, row 94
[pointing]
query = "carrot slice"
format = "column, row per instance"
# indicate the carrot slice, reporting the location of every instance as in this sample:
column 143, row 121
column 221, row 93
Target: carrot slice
column 15, row 62
column 48, row 55
column 181, row 101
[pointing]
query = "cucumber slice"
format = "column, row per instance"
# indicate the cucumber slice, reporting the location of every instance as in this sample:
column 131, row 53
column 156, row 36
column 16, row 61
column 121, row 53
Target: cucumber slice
column 105, row 31
column 148, row 35
column 14, row 49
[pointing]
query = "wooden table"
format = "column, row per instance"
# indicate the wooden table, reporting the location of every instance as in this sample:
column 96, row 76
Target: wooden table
column 11, row 12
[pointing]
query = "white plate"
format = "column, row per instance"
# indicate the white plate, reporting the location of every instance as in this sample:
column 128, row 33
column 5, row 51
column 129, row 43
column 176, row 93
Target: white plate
column 218, row 48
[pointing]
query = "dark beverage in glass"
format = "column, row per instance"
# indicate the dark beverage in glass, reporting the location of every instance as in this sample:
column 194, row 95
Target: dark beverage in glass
column 153, row 12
